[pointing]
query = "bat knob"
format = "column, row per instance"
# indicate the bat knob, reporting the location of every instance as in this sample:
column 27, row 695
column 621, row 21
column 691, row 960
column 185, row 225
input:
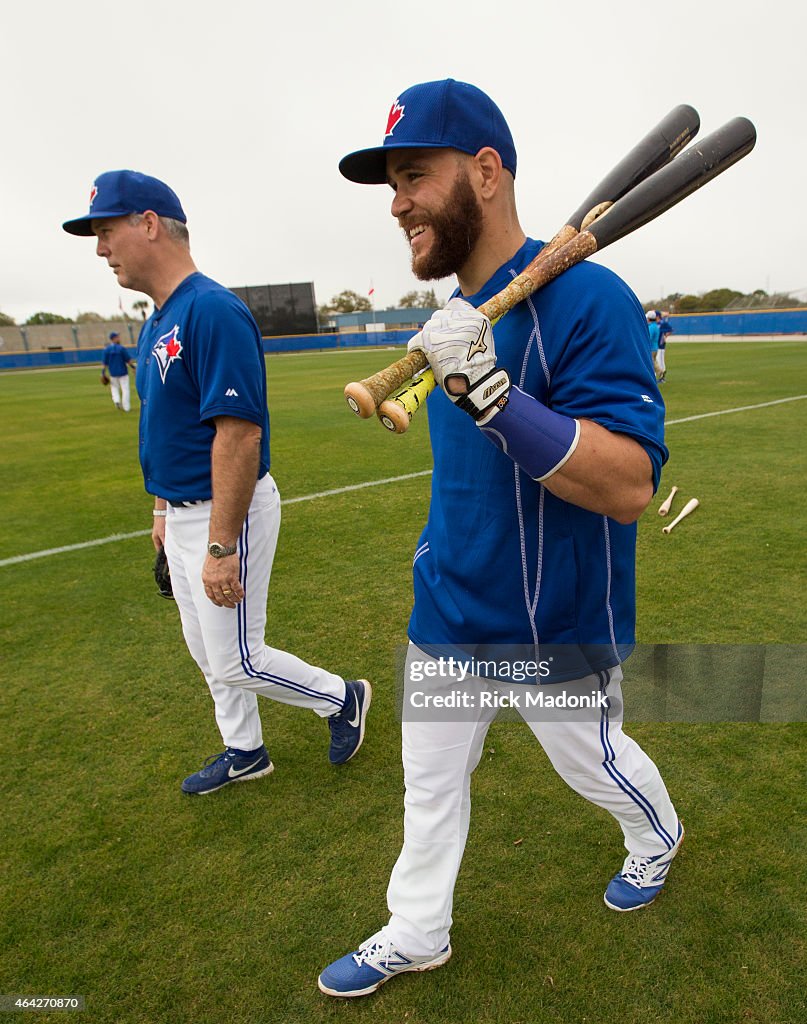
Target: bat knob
column 394, row 417
column 360, row 400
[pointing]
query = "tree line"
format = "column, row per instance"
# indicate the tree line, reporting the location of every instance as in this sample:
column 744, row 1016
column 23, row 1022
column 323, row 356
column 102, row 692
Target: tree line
column 42, row 317
column 715, row 301
column 351, row 302
column 719, row 300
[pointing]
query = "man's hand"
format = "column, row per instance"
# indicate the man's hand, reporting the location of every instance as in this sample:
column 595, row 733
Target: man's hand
column 220, row 579
column 458, row 342
column 158, row 532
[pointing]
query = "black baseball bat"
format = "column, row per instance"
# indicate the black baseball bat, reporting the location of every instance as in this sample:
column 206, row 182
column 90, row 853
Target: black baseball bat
column 656, row 149
column 690, row 171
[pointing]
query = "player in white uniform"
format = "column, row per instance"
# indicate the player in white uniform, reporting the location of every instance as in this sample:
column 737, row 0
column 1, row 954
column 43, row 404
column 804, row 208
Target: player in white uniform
column 204, row 451
column 116, row 362
column 548, row 444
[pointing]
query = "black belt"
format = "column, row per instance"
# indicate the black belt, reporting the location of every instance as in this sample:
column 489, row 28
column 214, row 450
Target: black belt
column 201, row 501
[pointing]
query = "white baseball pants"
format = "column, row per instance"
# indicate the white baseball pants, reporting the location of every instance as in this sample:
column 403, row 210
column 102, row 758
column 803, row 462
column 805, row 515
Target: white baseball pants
column 595, row 758
column 119, row 389
column 228, row 643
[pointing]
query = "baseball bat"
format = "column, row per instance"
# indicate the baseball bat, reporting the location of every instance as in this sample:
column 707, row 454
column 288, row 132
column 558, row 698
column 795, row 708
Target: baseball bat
column 656, row 149
column 690, row 506
column 650, row 198
column 664, row 507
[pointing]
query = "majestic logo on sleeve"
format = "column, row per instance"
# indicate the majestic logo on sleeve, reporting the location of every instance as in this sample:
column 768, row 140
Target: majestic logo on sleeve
column 167, row 349
column 396, row 114
column 480, row 345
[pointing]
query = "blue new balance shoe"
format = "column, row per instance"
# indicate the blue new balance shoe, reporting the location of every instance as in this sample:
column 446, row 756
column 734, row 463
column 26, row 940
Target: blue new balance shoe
column 347, row 727
column 641, row 879
column 231, row 766
column 373, row 963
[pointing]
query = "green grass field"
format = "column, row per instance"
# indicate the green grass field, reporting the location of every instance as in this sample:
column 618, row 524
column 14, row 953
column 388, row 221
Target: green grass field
column 160, row 908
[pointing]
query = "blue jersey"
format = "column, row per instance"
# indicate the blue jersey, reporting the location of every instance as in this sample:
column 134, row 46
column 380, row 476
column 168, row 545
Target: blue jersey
column 664, row 328
column 200, row 355
column 116, row 360
column 654, row 333
column 502, row 560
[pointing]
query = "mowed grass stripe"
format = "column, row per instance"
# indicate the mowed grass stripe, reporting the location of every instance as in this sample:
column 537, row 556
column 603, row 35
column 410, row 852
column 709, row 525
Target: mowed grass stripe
column 16, row 559
column 144, row 533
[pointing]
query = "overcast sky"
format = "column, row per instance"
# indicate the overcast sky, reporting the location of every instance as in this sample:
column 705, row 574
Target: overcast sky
column 245, row 109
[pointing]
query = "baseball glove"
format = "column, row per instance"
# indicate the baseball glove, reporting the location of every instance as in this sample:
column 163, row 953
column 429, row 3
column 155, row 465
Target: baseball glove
column 104, row 379
column 162, row 575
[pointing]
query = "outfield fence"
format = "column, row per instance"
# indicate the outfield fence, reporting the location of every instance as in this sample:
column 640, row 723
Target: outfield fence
column 70, row 344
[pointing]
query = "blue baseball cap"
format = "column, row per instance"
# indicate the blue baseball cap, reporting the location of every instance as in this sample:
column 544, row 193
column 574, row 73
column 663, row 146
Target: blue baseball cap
column 119, row 193
column 113, row 334
column 435, row 115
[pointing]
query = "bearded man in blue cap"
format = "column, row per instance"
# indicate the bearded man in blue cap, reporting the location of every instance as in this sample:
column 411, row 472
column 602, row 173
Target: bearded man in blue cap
column 547, row 437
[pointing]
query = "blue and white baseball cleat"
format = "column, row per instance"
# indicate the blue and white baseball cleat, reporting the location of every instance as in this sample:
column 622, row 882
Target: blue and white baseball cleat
column 373, row 963
column 641, row 879
column 231, row 766
column 347, row 727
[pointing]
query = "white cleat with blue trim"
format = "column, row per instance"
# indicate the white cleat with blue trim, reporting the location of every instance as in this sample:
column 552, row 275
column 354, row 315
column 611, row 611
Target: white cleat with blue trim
column 374, row 962
column 641, row 879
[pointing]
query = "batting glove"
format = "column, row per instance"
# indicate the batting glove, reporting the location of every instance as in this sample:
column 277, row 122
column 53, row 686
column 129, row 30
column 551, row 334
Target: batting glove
column 458, row 343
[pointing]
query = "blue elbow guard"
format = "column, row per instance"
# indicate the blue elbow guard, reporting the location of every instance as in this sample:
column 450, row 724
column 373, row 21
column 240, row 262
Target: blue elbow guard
column 536, row 438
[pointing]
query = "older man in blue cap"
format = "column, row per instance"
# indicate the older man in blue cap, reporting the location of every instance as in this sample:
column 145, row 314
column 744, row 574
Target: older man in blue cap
column 204, row 452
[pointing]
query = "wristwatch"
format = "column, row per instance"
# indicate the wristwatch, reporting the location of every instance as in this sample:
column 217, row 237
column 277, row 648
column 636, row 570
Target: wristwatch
column 221, row 550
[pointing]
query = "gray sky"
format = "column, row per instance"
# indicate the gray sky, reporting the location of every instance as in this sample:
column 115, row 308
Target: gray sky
column 245, row 109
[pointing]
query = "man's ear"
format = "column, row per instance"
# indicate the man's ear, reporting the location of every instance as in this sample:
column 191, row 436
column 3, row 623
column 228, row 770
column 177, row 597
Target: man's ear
column 489, row 165
column 152, row 222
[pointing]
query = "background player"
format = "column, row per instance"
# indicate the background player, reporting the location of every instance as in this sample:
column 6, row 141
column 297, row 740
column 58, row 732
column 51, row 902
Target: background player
column 116, row 362
column 530, row 548
column 653, row 332
column 204, row 451
column 664, row 328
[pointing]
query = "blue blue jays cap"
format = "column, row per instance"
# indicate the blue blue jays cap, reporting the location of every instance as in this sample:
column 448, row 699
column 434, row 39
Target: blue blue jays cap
column 113, row 335
column 119, row 193
column 435, row 115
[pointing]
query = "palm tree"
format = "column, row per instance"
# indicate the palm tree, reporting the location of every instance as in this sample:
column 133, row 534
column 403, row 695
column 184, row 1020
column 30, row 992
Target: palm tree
column 142, row 305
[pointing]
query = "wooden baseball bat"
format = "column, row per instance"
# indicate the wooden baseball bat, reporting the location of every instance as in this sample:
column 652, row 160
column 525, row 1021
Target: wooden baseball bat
column 690, row 506
column 664, row 507
column 650, row 198
column 655, row 150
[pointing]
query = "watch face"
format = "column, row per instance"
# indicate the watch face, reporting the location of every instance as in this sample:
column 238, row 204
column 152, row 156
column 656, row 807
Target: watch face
column 219, row 550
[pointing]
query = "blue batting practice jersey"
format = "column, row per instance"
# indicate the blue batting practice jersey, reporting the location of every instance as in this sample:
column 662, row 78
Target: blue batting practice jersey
column 502, row 560
column 116, row 360
column 200, row 355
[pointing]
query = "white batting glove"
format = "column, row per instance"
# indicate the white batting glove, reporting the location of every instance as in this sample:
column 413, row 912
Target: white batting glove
column 458, row 342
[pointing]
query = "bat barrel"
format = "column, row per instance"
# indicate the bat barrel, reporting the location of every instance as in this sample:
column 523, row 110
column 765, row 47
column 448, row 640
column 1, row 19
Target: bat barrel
column 656, row 149
column 690, row 171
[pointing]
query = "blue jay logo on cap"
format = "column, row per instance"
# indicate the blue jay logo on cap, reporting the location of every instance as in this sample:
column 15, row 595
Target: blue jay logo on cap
column 167, row 349
column 396, row 114
column 93, row 194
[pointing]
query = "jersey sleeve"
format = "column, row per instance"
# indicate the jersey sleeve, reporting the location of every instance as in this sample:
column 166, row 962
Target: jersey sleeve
column 227, row 359
column 604, row 371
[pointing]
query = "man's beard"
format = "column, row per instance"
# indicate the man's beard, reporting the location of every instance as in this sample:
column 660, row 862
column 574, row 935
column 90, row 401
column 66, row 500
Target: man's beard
column 456, row 229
